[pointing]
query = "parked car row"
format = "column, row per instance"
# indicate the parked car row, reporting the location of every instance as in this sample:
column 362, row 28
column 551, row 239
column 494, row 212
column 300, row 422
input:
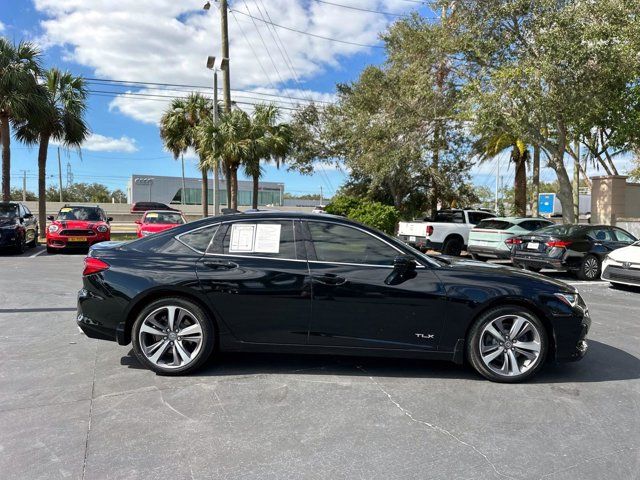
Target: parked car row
column 74, row 227
column 532, row 243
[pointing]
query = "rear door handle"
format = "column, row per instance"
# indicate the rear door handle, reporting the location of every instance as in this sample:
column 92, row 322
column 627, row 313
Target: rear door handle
column 220, row 264
column 331, row 279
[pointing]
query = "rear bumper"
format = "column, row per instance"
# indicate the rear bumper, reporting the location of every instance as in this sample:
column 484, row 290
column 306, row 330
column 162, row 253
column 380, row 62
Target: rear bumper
column 421, row 243
column 489, row 252
column 540, row 262
column 88, row 303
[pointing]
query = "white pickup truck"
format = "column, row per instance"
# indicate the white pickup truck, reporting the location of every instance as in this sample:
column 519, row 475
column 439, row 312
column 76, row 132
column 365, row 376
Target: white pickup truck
column 447, row 232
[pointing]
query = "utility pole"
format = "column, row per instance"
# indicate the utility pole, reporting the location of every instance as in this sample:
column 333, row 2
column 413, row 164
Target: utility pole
column 69, row 175
column 497, row 182
column 184, row 190
column 576, row 182
column 24, row 185
column 60, row 174
column 226, row 78
column 216, row 176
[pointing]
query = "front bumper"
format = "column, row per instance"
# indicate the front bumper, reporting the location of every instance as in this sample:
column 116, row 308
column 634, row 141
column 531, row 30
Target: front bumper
column 619, row 274
column 9, row 237
column 570, row 334
column 62, row 242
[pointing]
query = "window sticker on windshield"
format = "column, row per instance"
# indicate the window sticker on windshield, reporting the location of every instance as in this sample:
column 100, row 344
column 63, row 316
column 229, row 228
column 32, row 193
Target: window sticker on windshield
column 242, row 237
column 65, row 210
column 267, row 238
column 152, row 215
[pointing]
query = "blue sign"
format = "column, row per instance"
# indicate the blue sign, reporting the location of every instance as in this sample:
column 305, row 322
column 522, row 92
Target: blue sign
column 545, row 203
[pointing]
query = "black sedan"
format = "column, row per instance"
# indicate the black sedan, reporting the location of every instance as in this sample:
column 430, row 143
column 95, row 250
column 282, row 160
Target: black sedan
column 18, row 227
column 305, row 283
column 579, row 249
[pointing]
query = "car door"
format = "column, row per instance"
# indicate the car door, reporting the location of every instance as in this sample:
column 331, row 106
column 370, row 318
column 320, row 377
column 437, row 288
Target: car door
column 355, row 305
column 602, row 239
column 256, row 277
column 623, row 238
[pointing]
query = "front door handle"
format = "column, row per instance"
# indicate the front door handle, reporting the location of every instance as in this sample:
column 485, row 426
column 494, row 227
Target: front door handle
column 220, row 264
column 330, row 279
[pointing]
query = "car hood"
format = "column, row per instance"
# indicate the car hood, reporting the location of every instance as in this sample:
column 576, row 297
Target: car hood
column 7, row 222
column 78, row 224
column 626, row 254
column 477, row 268
column 157, row 227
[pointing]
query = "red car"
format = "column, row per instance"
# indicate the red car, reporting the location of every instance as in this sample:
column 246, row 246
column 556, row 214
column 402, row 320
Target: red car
column 77, row 227
column 155, row 221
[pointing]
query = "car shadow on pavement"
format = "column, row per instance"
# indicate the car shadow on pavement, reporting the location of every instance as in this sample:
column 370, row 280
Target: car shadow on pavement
column 602, row 363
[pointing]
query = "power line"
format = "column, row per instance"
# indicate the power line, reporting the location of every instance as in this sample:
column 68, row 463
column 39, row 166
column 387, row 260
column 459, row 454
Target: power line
column 309, row 33
column 183, row 85
column 360, row 9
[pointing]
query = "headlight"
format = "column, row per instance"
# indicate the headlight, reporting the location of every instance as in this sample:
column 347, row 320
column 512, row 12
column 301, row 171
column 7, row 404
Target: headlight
column 102, row 228
column 145, row 233
column 570, row 299
column 53, row 228
column 611, row 261
column 10, row 227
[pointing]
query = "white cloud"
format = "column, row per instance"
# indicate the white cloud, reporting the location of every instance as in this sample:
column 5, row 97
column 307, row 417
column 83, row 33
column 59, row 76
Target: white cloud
column 102, row 143
column 166, row 41
column 2, row 27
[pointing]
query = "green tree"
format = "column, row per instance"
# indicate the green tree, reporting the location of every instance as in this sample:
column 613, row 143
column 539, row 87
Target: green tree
column 20, row 96
column 375, row 214
column 179, row 131
column 62, row 120
column 16, row 195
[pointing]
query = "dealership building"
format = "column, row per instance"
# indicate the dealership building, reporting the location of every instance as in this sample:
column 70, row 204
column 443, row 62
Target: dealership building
column 155, row 188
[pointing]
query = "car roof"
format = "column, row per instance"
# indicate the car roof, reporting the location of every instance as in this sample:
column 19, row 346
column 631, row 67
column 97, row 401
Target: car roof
column 162, row 211
column 81, row 206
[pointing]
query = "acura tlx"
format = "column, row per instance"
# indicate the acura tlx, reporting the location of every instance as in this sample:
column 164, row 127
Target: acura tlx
column 306, row 283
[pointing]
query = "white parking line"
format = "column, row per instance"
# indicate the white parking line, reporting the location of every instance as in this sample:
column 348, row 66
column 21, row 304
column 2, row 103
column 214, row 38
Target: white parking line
column 38, row 253
column 596, row 282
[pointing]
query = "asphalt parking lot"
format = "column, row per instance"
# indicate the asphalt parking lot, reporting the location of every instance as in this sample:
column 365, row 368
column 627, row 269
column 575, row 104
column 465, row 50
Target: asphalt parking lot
column 71, row 407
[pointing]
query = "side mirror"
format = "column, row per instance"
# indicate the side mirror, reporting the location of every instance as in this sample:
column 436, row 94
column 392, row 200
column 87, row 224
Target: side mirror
column 109, row 219
column 50, row 218
column 404, row 268
column 28, row 215
column 139, row 222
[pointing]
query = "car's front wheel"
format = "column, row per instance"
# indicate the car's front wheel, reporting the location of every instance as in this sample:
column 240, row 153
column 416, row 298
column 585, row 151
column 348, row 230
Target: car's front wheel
column 173, row 336
column 507, row 344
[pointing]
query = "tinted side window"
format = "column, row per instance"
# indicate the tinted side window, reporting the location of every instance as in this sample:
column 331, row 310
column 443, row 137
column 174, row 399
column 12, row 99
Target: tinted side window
column 623, row 236
column 341, row 244
column 601, row 235
column 476, row 217
column 199, row 239
column 263, row 238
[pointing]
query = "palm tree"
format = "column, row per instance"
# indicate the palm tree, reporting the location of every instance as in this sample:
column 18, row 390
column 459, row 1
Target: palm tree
column 268, row 141
column 497, row 142
column 62, row 121
column 19, row 69
column 233, row 140
column 179, row 131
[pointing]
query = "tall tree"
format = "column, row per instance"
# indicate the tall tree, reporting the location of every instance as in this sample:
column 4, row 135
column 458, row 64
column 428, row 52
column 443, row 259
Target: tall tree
column 491, row 146
column 19, row 96
column 61, row 121
column 179, row 131
column 269, row 140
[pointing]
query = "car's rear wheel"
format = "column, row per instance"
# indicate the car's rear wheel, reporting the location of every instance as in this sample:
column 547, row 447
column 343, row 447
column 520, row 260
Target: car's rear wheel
column 21, row 245
column 589, row 268
column 173, row 336
column 453, row 246
column 34, row 242
column 507, row 344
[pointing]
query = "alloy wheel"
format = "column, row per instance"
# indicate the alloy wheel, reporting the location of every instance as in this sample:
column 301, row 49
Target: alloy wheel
column 170, row 337
column 510, row 345
column 590, row 267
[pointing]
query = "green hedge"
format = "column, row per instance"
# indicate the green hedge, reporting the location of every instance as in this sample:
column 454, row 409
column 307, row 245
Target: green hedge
column 374, row 214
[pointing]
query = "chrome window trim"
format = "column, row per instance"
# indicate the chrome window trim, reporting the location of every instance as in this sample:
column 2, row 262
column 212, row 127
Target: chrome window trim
column 217, row 225
column 255, row 256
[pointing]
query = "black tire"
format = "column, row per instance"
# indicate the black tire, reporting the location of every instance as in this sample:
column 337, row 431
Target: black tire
column 198, row 314
column 589, row 268
column 21, row 246
column 453, row 246
column 51, row 251
column 34, row 243
column 533, row 269
column 475, row 337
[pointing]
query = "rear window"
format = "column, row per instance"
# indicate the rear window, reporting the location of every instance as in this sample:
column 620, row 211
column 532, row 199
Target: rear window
column 449, row 217
column 562, row 230
column 494, row 225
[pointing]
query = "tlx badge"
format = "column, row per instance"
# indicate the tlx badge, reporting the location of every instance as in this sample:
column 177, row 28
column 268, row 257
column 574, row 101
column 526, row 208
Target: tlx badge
column 425, row 336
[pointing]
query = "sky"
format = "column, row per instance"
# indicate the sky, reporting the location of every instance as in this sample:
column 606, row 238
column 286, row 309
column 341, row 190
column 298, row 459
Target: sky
column 161, row 42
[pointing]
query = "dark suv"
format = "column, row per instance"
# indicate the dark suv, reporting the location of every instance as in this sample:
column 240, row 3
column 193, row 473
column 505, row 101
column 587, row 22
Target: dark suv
column 18, row 227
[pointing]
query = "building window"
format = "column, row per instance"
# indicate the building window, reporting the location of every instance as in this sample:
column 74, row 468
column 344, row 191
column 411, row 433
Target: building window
column 193, row 196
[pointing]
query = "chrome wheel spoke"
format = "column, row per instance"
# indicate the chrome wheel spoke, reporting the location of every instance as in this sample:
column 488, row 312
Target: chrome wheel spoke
column 529, row 355
column 514, row 369
column 182, row 352
column 496, row 334
column 159, row 352
column 191, row 330
column 490, row 357
column 146, row 328
column 533, row 347
column 171, row 316
column 518, row 328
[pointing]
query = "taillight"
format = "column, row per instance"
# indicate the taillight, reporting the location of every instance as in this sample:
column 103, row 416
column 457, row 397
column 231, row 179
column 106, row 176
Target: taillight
column 429, row 230
column 94, row 265
column 513, row 241
column 558, row 243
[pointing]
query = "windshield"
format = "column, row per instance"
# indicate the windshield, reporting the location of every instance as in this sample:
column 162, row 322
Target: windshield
column 163, row 218
column 90, row 214
column 8, row 211
column 495, row 224
column 568, row 230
